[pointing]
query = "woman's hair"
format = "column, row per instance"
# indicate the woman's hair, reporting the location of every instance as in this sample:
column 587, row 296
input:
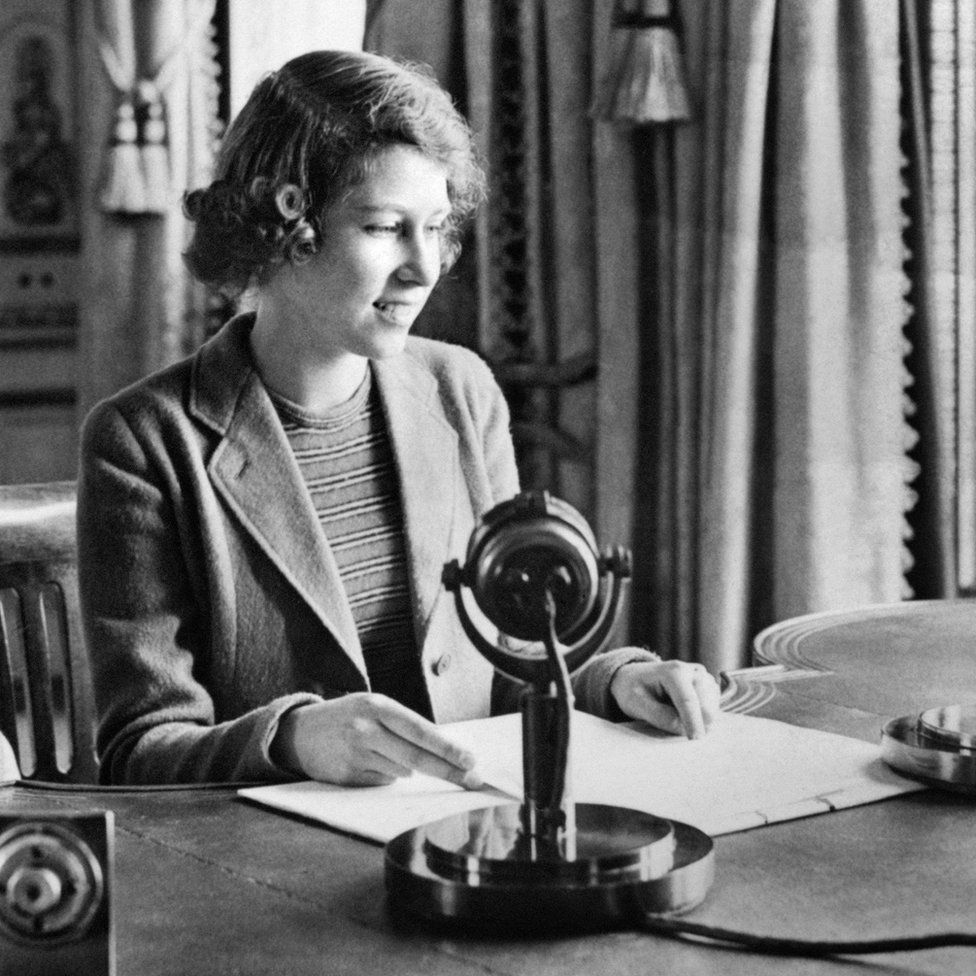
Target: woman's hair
column 308, row 134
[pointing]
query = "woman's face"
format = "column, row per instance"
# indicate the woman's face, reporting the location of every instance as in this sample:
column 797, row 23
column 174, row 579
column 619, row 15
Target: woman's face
column 379, row 259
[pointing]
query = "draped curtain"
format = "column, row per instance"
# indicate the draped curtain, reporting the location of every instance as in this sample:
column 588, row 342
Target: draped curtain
column 776, row 439
column 759, row 287
column 150, row 128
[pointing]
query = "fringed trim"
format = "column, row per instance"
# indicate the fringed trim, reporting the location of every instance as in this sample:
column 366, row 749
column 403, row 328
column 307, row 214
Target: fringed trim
column 645, row 81
column 206, row 65
column 910, row 469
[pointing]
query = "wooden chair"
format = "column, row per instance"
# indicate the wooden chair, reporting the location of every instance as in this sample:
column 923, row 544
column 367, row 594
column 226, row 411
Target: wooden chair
column 46, row 700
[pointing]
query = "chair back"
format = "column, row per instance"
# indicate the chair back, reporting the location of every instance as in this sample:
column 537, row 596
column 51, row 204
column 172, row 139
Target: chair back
column 47, row 708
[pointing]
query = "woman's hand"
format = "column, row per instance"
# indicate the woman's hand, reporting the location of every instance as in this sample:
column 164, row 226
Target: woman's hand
column 366, row 739
column 671, row 695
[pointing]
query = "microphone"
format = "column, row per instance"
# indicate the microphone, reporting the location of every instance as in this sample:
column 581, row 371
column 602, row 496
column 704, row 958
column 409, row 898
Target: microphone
column 534, row 574
column 534, row 571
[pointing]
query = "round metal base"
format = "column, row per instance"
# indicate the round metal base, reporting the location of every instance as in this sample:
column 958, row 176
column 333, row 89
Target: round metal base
column 937, row 747
column 480, row 869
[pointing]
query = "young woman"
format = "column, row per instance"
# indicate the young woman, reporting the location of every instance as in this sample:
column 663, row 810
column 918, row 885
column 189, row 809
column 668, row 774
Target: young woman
column 262, row 527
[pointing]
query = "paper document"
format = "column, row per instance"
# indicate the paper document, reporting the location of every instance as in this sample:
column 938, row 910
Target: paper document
column 747, row 772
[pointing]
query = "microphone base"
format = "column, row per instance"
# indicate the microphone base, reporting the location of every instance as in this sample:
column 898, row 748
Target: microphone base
column 479, row 869
column 937, row 747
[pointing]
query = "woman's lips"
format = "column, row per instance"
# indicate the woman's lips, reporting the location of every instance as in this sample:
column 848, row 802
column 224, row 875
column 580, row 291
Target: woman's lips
column 396, row 312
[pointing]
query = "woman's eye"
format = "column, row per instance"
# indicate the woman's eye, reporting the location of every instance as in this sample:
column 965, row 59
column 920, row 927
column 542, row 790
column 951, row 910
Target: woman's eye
column 399, row 229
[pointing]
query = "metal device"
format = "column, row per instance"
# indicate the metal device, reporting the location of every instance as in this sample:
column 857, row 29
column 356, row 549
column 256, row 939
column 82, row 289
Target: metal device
column 533, row 570
column 937, row 746
column 55, row 895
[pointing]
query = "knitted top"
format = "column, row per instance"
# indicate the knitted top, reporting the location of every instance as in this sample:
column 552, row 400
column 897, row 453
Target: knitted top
column 346, row 461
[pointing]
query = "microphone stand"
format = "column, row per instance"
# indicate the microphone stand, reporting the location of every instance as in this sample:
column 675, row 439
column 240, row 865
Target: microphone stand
column 548, row 817
column 548, row 862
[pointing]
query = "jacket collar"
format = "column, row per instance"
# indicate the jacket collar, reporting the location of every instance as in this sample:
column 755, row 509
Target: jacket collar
column 255, row 471
column 425, row 447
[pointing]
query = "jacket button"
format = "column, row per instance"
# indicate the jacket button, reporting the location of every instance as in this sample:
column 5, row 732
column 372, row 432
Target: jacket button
column 441, row 665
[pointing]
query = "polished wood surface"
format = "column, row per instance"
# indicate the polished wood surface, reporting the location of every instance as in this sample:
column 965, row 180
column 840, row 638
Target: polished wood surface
column 850, row 671
column 206, row 882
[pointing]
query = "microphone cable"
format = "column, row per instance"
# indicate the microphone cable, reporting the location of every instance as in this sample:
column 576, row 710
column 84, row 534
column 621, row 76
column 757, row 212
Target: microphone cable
column 775, row 945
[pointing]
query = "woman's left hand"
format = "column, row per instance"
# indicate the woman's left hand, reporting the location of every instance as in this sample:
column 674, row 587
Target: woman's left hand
column 671, row 695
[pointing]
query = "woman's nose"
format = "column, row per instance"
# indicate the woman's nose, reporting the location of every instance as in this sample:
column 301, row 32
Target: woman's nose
column 422, row 259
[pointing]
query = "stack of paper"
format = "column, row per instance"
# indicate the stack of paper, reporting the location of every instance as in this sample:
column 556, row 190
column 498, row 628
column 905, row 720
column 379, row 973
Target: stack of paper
column 747, row 772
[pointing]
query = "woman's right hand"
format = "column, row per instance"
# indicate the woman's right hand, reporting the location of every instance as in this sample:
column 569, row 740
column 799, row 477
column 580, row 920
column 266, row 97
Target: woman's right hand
column 365, row 739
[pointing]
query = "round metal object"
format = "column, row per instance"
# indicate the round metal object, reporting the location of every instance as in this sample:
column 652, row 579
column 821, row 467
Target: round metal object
column 953, row 726
column 937, row 747
column 479, row 868
column 51, row 883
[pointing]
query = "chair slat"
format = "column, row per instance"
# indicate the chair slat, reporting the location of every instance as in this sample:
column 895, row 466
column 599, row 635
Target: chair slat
column 52, row 731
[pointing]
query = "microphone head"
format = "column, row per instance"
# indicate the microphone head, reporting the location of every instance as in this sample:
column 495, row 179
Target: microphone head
column 534, row 573
column 525, row 548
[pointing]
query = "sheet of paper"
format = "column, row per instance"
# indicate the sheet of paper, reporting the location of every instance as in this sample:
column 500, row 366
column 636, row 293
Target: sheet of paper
column 377, row 813
column 747, row 772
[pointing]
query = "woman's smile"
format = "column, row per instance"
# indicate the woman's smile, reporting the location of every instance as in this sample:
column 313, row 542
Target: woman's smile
column 400, row 314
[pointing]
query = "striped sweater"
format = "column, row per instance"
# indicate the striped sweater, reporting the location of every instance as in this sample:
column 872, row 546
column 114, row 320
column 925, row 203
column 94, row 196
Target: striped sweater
column 347, row 464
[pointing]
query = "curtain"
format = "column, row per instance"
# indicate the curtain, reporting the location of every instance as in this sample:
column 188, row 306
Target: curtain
column 739, row 280
column 150, row 87
column 774, row 342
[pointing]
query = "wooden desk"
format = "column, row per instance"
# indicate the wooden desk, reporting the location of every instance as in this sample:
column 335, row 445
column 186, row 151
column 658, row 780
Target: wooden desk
column 206, row 883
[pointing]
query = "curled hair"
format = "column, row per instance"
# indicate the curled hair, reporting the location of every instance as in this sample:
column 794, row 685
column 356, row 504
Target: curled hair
column 307, row 135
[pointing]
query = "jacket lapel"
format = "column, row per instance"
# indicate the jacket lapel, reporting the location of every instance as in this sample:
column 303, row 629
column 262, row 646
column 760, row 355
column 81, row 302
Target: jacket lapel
column 425, row 448
column 255, row 471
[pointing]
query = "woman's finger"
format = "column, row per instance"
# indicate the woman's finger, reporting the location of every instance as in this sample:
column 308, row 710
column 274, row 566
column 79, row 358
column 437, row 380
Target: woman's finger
column 399, row 753
column 682, row 690
column 709, row 696
column 417, row 744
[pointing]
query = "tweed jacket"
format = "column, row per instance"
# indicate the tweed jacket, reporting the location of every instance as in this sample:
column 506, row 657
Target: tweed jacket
column 210, row 598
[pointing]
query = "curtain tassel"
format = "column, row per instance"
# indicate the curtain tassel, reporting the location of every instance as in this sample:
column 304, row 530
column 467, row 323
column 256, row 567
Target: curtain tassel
column 124, row 191
column 645, row 81
column 154, row 152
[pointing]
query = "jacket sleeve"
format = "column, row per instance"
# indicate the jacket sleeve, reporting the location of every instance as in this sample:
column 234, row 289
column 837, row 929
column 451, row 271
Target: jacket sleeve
column 591, row 682
column 146, row 620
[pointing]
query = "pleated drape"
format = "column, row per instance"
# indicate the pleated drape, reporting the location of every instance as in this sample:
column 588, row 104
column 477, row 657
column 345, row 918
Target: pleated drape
column 140, row 309
column 740, row 278
column 780, row 438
